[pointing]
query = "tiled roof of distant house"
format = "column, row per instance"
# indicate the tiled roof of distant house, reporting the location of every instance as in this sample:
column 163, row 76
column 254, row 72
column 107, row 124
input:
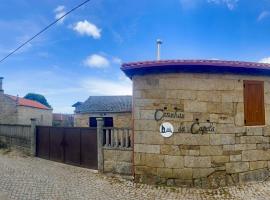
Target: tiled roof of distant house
column 195, row 66
column 96, row 104
column 27, row 102
column 77, row 104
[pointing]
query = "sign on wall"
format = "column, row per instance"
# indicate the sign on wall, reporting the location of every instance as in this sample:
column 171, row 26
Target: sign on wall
column 162, row 113
column 166, row 129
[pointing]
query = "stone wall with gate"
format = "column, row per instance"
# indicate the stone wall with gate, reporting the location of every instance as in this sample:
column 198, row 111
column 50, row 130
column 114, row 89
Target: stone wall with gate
column 220, row 150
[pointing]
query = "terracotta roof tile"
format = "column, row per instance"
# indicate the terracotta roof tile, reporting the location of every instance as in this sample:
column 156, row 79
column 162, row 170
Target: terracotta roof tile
column 28, row 103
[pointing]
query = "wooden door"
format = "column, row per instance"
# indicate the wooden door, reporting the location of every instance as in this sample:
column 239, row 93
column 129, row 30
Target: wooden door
column 254, row 103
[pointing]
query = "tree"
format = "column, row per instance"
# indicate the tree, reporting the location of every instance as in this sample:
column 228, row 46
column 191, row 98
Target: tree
column 39, row 98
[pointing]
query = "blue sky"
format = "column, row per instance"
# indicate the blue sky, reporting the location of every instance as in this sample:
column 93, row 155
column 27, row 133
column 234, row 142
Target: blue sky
column 81, row 55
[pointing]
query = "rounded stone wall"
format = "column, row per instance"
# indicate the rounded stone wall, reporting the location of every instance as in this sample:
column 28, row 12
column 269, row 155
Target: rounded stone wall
column 210, row 145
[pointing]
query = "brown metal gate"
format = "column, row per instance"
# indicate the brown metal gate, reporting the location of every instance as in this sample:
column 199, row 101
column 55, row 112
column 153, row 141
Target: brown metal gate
column 76, row 146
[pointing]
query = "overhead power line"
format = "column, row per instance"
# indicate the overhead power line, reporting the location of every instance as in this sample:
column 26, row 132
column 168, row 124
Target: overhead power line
column 44, row 29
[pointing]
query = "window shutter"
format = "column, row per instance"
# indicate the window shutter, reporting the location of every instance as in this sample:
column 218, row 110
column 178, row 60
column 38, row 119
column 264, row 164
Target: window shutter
column 93, row 122
column 108, row 122
column 254, row 103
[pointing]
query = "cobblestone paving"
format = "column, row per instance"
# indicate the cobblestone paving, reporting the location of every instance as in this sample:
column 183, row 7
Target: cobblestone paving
column 33, row 178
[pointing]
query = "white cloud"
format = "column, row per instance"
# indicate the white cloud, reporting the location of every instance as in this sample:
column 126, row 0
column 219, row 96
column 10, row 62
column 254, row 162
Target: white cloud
column 87, row 28
column 59, row 8
column 96, row 61
column 117, row 60
column 59, row 12
column 96, row 86
column 265, row 60
column 123, row 77
column 231, row 4
column 189, row 4
column 263, row 15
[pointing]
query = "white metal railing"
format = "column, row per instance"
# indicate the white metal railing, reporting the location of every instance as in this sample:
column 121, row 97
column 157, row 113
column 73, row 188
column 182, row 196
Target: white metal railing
column 117, row 137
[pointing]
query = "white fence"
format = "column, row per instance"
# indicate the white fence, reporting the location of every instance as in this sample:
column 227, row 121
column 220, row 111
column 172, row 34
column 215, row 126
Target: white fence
column 117, row 137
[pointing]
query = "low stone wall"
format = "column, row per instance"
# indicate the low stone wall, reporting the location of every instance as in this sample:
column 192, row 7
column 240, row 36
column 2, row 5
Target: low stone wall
column 118, row 161
column 21, row 144
column 19, row 137
column 16, row 137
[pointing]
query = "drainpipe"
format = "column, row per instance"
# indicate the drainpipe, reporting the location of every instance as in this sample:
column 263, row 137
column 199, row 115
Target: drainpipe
column 133, row 153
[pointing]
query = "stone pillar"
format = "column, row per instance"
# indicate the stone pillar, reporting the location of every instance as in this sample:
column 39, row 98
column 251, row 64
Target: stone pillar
column 33, row 138
column 100, row 124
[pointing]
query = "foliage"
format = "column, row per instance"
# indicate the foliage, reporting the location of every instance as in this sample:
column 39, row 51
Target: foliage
column 39, row 98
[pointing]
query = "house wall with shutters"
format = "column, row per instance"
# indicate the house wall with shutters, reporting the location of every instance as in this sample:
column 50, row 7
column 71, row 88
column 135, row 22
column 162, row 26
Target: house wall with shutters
column 120, row 120
column 226, row 154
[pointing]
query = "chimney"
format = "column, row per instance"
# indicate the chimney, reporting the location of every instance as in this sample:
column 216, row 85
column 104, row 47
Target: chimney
column 159, row 42
column 1, row 85
column 17, row 99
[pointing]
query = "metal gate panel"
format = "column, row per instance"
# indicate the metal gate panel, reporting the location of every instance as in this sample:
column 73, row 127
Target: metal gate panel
column 57, row 144
column 76, row 146
column 72, row 146
column 89, row 148
column 43, row 142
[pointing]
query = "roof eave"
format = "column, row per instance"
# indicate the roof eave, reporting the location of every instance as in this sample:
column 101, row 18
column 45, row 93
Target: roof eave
column 99, row 112
column 35, row 107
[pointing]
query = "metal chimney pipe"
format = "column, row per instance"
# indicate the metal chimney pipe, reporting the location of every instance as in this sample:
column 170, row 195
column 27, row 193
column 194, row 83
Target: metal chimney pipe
column 1, row 85
column 159, row 42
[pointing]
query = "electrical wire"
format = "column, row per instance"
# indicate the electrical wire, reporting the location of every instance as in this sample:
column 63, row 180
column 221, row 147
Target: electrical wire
column 44, row 29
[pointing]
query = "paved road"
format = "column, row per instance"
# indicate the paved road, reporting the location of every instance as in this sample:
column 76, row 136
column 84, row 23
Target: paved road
column 26, row 178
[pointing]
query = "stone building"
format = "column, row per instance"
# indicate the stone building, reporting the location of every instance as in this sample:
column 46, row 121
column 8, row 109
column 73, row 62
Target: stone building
column 115, row 110
column 63, row 120
column 17, row 110
column 200, row 123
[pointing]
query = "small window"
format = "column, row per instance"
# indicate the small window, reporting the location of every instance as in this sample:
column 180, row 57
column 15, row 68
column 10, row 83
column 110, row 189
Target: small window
column 254, row 103
column 93, row 122
column 108, row 122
